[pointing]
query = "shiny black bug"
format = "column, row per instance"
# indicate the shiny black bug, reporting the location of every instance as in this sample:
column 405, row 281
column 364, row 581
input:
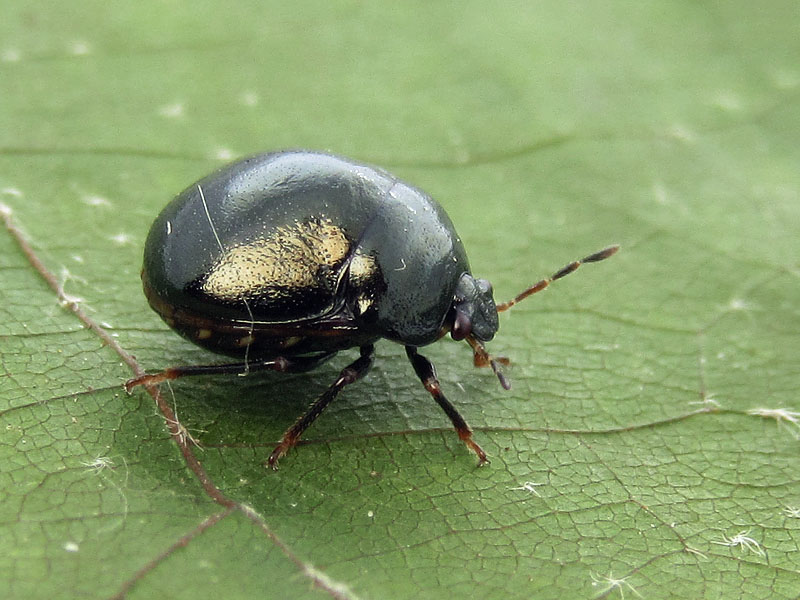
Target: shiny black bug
column 283, row 259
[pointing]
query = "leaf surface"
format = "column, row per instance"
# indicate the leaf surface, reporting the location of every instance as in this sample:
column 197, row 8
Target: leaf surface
column 649, row 444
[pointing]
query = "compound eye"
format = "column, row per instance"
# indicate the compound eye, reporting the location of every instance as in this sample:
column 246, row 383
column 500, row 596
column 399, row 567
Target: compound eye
column 485, row 287
column 462, row 326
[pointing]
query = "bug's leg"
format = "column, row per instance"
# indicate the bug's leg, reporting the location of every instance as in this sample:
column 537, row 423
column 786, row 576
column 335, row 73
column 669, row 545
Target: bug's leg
column 481, row 358
column 294, row 364
column 351, row 373
column 427, row 374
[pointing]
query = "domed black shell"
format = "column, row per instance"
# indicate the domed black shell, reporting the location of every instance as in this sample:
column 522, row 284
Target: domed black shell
column 304, row 240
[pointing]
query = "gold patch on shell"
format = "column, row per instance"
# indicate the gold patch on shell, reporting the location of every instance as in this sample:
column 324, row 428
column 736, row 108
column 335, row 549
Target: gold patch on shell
column 362, row 267
column 289, row 258
column 291, row 341
column 203, row 334
column 245, row 341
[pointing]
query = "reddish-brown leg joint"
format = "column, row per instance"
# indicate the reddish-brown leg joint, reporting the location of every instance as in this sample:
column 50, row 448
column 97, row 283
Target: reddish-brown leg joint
column 481, row 358
column 154, row 379
column 350, row 374
column 427, row 375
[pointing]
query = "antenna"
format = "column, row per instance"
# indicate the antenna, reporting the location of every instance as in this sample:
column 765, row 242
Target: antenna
column 539, row 286
column 482, row 358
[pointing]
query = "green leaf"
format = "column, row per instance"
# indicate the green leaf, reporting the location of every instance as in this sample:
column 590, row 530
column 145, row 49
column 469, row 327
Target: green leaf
column 649, row 445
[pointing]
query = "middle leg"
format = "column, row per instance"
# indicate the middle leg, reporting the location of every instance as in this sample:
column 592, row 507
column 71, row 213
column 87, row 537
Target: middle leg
column 350, row 374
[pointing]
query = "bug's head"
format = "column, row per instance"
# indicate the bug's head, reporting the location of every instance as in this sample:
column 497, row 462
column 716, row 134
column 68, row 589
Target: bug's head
column 473, row 317
column 474, row 312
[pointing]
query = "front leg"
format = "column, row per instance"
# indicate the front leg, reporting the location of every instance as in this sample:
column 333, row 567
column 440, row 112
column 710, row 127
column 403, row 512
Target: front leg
column 427, row 374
